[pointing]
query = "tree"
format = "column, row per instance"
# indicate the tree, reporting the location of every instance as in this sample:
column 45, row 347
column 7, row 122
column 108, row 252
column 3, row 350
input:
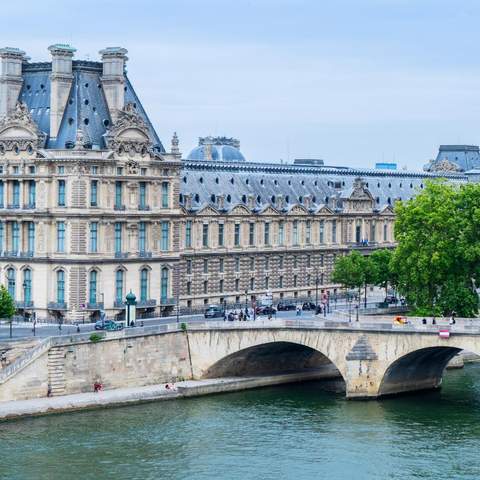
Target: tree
column 349, row 270
column 7, row 304
column 438, row 250
column 384, row 275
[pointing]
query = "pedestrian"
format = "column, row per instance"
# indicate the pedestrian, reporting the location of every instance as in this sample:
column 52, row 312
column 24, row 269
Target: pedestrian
column 424, row 321
column 299, row 311
column 434, row 322
column 49, row 390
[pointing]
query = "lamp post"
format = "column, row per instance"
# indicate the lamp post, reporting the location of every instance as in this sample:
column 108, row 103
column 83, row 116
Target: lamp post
column 316, row 291
column 24, row 285
column 246, row 303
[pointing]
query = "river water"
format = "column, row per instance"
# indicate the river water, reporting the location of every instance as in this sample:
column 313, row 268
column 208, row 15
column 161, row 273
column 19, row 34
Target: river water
column 285, row 432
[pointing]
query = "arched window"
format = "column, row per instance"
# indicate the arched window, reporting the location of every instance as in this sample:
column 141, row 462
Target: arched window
column 164, row 284
column 119, row 285
column 11, row 282
column 60, row 286
column 27, row 286
column 92, row 287
column 144, row 285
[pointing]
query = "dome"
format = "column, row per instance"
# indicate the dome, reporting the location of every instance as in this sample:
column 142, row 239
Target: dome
column 217, row 149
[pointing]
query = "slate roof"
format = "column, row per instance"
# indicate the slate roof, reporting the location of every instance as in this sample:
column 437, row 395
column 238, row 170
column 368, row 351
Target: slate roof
column 465, row 157
column 86, row 107
column 204, row 180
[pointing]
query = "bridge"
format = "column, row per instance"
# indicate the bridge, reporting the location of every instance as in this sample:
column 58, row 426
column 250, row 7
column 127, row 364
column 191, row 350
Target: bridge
column 372, row 359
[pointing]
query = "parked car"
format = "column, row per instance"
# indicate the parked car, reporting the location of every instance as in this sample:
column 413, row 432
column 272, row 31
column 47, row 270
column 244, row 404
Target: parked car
column 286, row 306
column 265, row 310
column 108, row 325
column 214, row 311
column 308, row 306
column 391, row 299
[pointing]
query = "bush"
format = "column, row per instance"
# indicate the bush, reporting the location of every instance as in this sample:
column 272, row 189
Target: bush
column 183, row 327
column 95, row 337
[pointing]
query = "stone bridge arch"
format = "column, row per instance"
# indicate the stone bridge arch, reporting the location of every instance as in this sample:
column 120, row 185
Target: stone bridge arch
column 257, row 351
column 420, row 364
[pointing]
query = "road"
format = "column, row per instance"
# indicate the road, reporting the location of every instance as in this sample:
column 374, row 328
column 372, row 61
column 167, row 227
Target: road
column 25, row 330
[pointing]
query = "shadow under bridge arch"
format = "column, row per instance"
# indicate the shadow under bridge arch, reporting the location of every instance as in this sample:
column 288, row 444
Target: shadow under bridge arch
column 418, row 370
column 276, row 358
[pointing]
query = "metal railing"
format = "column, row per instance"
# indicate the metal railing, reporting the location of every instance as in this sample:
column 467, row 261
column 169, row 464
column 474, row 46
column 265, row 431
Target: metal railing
column 57, row 306
column 94, row 306
column 146, row 303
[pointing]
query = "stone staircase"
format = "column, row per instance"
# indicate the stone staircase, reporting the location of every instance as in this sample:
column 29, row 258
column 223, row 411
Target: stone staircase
column 56, row 370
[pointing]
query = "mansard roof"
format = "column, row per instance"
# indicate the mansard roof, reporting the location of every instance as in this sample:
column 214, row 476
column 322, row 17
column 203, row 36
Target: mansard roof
column 283, row 186
column 86, row 108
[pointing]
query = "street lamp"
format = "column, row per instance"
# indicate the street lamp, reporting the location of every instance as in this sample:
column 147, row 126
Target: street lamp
column 24, row 285
column 131, row 309
column 246, row 303
column 316, row 291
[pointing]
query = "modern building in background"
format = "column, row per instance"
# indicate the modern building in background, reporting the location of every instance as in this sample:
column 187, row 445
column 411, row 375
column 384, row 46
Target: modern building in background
column 92, row 206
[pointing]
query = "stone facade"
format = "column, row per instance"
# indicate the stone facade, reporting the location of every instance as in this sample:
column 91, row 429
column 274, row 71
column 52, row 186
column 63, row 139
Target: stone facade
column 93, row 206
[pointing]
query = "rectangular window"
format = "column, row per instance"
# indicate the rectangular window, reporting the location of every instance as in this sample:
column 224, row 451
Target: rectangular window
column 221, row 265
column 334, row 231
column 251, row 234
column 32, row 193
column 61, row 237
column 205, row 287
column 252, row 263
column 322, row 232
column 266, row 234
column 237, row 264
column 308, row 232
column 295, row 280
column 2, row 233
column 280, row 281
column 281, row 233
column 31, row 237
column 118, row 237
column 16, row 194
column 165, row 194
column 142, row 195
column 188, row 234
column 118, row 195
column 1, row 194
column 205, row 266
column 220, row 234
column 119, row 170
column 309, row 261
column 93, row 193
column 15, row 237
column 295, row 262
column 205, row 235
column 237, row 235
column 237, row 285
column 61, row 169
column 252, row 284
column 385, row 233
column 372, row 231
column 165, row 236
column 266, row 283
column 142, row 237
column 16, row 170
column 267, row 263
column 322, row 260
column 295, row 232
column 94, row 169
column 280, row 263
column 189, row 288
column 189, row 267
column 143, row 172
column 93, row 237
column 220, row 286
column 61, row 193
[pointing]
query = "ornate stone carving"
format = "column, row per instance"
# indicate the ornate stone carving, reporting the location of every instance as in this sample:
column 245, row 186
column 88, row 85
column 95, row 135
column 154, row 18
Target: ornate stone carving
column 132, row 167
column 19, row 132
column 130, row 133
column 444, row 166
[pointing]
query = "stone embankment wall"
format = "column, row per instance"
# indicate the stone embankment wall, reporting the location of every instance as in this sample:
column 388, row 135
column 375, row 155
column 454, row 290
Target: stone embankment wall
column 115, row 362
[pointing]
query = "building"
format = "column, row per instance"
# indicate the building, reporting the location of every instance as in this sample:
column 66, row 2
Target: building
column 93, row 206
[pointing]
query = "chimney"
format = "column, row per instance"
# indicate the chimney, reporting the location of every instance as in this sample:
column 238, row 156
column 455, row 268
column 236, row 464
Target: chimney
column 113, row 59
column 307, row 201
column 60, row 83
column 187, row 201
column 11, row 60
column 251, row 201
column 280, row 202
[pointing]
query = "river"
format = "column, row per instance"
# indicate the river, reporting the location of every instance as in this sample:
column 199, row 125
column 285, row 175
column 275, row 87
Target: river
column 285, row 432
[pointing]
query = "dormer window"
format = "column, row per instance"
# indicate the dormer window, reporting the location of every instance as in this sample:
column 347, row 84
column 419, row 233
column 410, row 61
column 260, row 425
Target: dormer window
column 61, row 169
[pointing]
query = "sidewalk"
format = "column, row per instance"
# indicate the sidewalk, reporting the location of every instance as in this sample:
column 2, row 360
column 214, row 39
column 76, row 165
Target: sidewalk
column 80, row 401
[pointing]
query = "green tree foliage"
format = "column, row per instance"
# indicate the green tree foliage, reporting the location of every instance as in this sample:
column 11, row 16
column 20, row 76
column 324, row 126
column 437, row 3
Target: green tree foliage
column 349, row 270
column 438, row 251
column 7, row 304
column 381, row 266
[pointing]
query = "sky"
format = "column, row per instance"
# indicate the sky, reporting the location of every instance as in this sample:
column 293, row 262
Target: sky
column 353, row 82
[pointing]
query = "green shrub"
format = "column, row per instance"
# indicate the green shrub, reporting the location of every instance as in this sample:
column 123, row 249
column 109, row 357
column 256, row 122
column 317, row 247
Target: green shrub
column 183, row 327
column 95, row 337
